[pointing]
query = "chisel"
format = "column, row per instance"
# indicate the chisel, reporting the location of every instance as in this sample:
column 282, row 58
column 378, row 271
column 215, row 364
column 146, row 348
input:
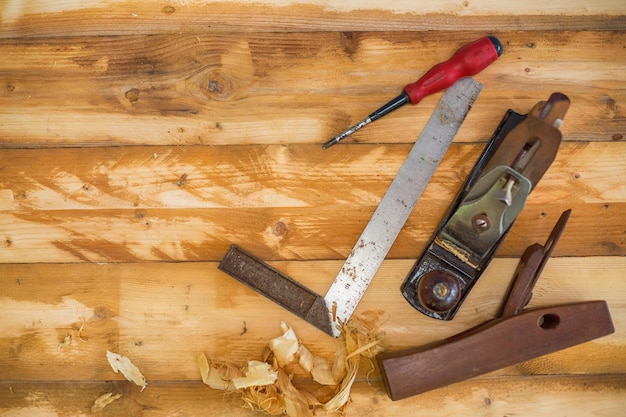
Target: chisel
column 467, row 61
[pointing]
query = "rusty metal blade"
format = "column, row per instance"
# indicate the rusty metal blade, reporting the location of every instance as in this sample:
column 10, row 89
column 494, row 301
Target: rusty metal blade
column 278, row 287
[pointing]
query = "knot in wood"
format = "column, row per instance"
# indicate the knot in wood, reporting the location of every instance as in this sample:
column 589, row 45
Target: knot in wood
column 217, row 86
column 132, row 95
column 279, row 229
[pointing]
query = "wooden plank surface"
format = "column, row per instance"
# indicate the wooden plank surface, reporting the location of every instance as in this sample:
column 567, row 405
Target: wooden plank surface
column 282, row 202
column 120, row 17
column 138, row 140
column 240, row 88
column 202, row 309
column 602, row 395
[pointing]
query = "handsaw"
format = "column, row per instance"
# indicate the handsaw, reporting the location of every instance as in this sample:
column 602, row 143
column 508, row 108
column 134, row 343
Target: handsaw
column 336, row 307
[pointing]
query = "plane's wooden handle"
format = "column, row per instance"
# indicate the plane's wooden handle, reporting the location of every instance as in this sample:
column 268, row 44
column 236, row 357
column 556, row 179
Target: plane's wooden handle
column 497, row 344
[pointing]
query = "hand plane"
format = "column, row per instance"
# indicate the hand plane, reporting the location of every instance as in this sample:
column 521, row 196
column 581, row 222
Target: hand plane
column 518, row 154
column 512, row 337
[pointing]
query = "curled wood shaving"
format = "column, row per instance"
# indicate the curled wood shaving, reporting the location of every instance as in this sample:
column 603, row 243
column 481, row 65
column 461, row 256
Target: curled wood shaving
column 80, row 330
column 267, row 387
column 285, row 347
column 124, row 365
column 256, row 374
column 264, row 398
column 217, row 376
column 103, row 401
column 67, row 341
column 296, row 403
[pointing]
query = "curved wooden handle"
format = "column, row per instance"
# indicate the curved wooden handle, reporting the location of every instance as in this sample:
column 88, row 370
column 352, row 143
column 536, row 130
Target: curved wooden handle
column 498, row 344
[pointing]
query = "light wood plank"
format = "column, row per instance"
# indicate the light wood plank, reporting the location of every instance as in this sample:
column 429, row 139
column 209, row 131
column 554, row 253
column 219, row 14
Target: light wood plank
column 532, row 397
column 288, row 88
column 193, row 235
column 63, row 18
column 477, row 7
column 162, row 314
column 280, row 202
column 275, row 176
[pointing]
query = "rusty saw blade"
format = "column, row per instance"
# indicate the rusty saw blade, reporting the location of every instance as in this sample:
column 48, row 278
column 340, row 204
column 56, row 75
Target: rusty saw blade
column 370, row 250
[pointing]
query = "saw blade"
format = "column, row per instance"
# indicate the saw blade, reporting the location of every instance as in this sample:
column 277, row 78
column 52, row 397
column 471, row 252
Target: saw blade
column 394, row 209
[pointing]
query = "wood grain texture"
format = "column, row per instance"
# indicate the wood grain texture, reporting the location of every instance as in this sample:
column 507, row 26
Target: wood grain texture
column 138, row 140
column 162, row 314
column 238, row 88
column 280, row 202
column 61, row 17
column 601, row 395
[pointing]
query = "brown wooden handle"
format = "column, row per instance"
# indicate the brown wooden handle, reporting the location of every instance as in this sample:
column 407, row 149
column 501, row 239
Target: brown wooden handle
column 500, row 343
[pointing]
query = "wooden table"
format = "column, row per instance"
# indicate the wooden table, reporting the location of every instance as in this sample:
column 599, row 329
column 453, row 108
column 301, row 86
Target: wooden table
column 140, row 139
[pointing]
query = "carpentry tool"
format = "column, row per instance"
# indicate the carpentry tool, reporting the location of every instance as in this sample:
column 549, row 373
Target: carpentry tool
column 467, row 61
column 278, row 287
column 513, row 337
column 483, row 212
column 359, row 269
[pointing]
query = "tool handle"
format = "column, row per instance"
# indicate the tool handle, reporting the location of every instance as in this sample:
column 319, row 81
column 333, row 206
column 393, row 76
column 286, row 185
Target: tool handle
column 497, row 344
column 467, row 61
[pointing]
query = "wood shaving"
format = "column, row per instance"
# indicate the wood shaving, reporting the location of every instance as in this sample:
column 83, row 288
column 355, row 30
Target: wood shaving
column 285, row 347
column 256, row 374
column 266, row 386
column 103, row 401
column 66, row 342
column 124, row 365
column 217, row 376
column 80, row 331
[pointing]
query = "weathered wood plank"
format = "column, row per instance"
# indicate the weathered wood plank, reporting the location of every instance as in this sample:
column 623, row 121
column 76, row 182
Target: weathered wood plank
column 162, row 314
column 98, row 17
column 280, row 202
column 294, row 233
column 274, row 176
column 532, row 397
column 288, row 87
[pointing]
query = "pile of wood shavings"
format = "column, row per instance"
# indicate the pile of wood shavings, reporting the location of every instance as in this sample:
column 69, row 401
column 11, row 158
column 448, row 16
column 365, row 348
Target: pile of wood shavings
column 266, row 385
